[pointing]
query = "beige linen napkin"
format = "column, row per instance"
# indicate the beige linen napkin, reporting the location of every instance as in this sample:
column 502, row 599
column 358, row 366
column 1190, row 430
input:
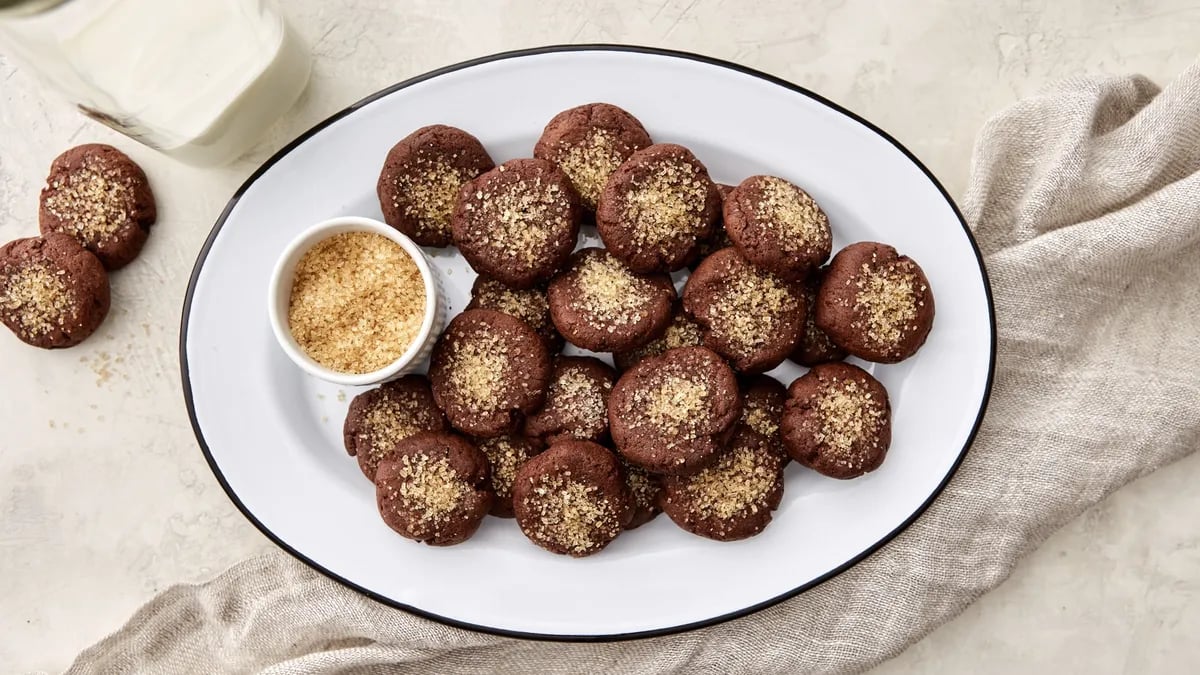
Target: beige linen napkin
column 1086, row 203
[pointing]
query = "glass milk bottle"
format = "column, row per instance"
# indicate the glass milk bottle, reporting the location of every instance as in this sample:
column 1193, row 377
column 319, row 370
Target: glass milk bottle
column 200, row 80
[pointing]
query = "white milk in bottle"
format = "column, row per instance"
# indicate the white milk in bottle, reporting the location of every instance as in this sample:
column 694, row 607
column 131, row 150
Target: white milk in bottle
column 200, row 80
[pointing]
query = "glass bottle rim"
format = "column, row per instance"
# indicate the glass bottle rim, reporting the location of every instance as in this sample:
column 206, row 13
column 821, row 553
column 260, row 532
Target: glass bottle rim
column 17, row 8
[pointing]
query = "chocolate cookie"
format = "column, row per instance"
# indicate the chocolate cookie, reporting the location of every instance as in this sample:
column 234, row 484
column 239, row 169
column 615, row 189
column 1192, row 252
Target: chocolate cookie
column 505, row 455
column 598, row 304
column 719, row 238
column 572, row 499
column 53, row 293
column 749, row 316
column 732, row 499
column 815, row 346
column 778, row 227
column 421, row 177
column 645, row 489
column 837, row 421
column 589, row 142
column 488, row 370
column 518, row 222
column 656, row 209
column 762, row 412
column 100, row 196
column 671, row 413
column 681, row 332
column 529, row 305
column 576, row 402
column 875, row 303
column 434, row 488
column 382, row 417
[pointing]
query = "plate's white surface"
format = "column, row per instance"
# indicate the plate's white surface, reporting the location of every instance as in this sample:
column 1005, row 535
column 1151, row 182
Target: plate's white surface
column 274, row 434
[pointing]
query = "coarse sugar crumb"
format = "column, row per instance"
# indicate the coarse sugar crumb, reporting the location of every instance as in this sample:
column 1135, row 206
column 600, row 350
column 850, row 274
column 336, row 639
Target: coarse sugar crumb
column 505, row 457
column 519, row 219
column 792, row 213
column 667, row 205
column 392, row 419
column 357, row 302
column 92, row 202
column 749, row 308
column 429, row 487
column 426, row 189
column 848, row 416
column 886, row 301
column 479, row 367
column 102, row 366
column 571, row 515
column 38, row 297
column 590, row 162
column 738, row 483
column 610, row 293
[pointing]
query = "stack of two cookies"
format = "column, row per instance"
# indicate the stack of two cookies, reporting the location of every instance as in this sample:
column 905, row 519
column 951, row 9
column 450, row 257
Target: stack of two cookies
column 96, row 212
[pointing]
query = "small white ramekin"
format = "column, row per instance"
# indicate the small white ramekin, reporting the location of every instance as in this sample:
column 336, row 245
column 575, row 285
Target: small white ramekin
column 280, row 292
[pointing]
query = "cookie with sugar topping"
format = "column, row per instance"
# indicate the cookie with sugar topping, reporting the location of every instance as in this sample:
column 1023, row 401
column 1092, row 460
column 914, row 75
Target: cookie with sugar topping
column 505, row 455
column 589, row 142
column 732, row 499
column 672, row 413
column 527, row 304
column 837, row 421
column 421, row 177
column 572, row 498
column 380, row 418
column 645, row 489
column 98, row 195
column 719, row 238
column 681, row 332
column 875, row 303
column 434, row 488
column 53, row 292
column 576, row 402
column 748, row 315
column 599, row 304
column 517, row 223
column 487, row 371
column 763, row 399
column 815, row 346
column 656, row 209
column 777, row 226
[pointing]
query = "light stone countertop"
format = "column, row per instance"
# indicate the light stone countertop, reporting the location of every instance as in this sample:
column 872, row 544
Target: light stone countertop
column 105, row 498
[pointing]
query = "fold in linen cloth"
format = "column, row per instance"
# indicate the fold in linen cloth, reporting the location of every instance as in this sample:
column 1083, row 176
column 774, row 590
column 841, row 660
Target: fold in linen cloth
column 1086, row 204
